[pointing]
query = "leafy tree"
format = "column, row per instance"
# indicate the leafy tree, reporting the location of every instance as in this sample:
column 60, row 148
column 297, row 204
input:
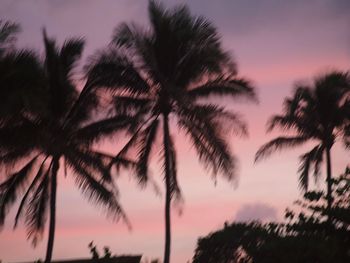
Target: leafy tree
column 317, row 113
column 37, row 144
column 165, row 75
column 306, row 236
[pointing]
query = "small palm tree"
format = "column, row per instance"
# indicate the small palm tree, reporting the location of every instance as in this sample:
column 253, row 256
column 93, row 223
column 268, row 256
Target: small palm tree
column 164, row 76
column 40, row 142
column 319, row 113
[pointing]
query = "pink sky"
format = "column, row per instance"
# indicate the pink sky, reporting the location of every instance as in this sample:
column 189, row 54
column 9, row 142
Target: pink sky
column 275, row 44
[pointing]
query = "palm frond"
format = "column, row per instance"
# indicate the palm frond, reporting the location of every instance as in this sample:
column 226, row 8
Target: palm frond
column 62, row 90
column 37, row 209
column 119, row 162
column 96, row 130
column 12, row 186
column 277, row 144
column 306, row 161
column 36, row 179
column 130, row 105
column 224, row 86
column 113, row 70
column 10, row 158
column 283, row 122
column 132, row 142
column 298, row 113
column 147, row 139
column 227, row 120
column 128, row 35
column 209, row 141
column 71, row 51
column 102, row 193
column 94, row 162
column 170, row 151
column 185, row 47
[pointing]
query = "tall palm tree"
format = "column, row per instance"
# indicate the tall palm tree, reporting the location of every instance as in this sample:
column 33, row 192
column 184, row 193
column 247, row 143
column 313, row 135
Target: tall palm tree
column 165, row 75
column 40, row 142
column 318, row 113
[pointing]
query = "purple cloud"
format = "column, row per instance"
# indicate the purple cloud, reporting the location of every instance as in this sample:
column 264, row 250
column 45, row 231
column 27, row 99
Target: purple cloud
column 257, row 211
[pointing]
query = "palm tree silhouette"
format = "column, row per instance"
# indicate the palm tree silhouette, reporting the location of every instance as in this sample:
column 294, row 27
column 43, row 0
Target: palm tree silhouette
column 164, row 76
column 318, row 113
column 40, row 142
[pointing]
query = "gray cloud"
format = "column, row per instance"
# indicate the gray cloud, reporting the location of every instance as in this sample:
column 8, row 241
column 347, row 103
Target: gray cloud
column 257, row 211
column 259, row 31
column 244, row 17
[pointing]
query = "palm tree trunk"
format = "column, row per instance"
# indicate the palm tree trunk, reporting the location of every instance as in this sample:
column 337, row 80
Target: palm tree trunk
column 166, row 137
column 55, row 167
column 329, row 184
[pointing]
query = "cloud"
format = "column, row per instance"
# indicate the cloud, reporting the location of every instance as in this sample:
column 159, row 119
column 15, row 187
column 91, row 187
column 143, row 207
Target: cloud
column 244, row 17
column 257, row 211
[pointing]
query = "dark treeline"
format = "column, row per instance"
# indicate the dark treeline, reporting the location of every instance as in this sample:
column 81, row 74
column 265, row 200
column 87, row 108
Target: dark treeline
column 306, row 236
column 158, row 81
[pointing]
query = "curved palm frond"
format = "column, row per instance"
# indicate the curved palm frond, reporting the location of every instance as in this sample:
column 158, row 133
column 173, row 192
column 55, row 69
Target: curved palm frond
column 12, row 186
column 313, row 157
column 131, row 105
column 169, row 153
column 37, row 209
column 98, row 191
column 32, row 186
column 224, row 86
column 70, row 53
column 112, row 69
column 284, row 122
column 278, row 144
column 209, row 141
column 228, row 121
column 147, row 140
column 96, row 130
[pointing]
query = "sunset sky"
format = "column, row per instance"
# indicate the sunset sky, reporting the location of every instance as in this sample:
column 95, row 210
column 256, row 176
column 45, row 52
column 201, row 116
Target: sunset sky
column 274, row 42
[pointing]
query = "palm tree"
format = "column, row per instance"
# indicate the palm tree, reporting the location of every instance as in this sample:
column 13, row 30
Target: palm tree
column 164, row 76
column 318, row 113
column 40, row 142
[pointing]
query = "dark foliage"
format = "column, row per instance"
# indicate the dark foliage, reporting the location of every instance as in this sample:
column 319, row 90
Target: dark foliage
column 305, row 237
